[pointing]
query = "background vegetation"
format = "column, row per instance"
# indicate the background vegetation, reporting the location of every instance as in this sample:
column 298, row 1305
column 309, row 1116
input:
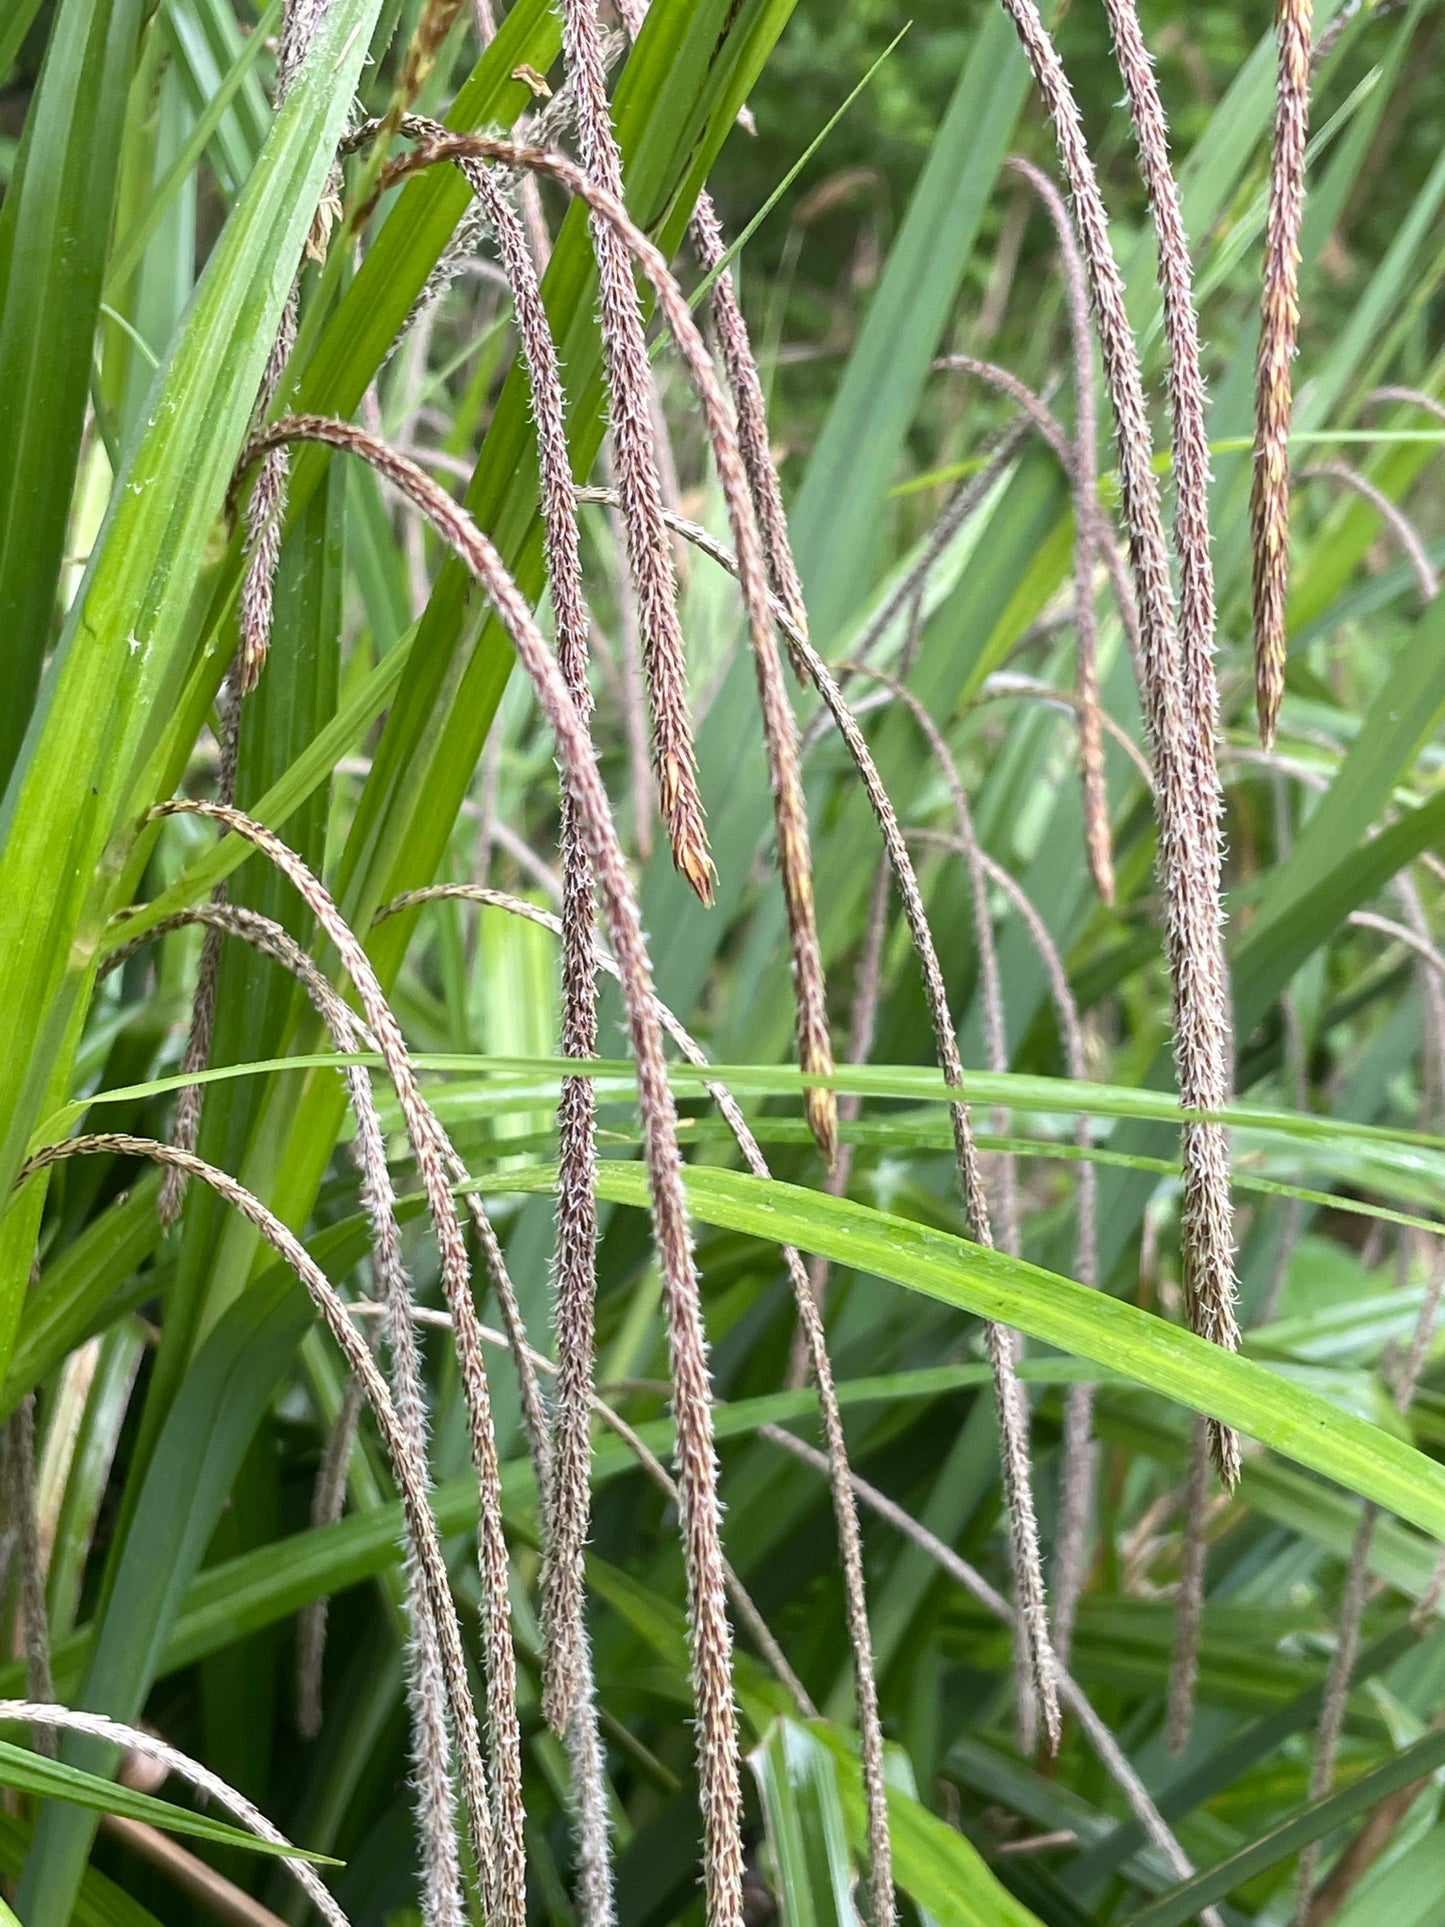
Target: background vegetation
column 170, row 1396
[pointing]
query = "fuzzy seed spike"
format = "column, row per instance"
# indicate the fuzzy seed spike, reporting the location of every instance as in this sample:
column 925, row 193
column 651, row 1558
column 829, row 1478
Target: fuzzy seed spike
column 710, row 1641
column 780, row 730
column 1174, row 700
column 1274, row 367
column 629, row 378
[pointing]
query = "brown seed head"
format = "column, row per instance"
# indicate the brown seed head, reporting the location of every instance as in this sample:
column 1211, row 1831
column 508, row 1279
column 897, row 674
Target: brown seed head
column 1274, row 380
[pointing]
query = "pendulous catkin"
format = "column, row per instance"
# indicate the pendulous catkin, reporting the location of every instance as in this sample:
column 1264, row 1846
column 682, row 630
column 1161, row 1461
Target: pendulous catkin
column 1183, row 754
column 710, row 1636
column 780, row 732
column 1274, row 368
column 648, row 548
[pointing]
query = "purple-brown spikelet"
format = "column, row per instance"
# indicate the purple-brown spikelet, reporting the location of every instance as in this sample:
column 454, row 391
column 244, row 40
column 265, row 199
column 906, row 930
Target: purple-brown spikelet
column 779, row 725
column 1205, row 1067
column 401, row 1449
column 1183, row 753
column 815, row 1346
column 745, row 384
column 567, row 1486
column 1274, row 368
column 710, row 1642
column 1187, row 404
column 500, row 1660
column 649, row 550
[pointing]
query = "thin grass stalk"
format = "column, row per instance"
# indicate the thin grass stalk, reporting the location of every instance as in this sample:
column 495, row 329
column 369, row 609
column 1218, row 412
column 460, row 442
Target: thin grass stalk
column 862, row 1024
column 1431, row 979
column 1379, row 1829
column 780, row 729
column 1111, row 1755
column 208, row 1784
column 1432, row 972
column 1352, row 1603
column 1005, row 683
column 1336, row 1695
column 845, row 1511
column 1039, row 416
column 710, row 1642
column 186, row 1119
column 33, row 1610
column 1029, row 1591
column 1394, row 517
column 907, row 596
column 502, row 1722
column 1087, row 514
column 410, row 1470
column 995, row 1033
column 1414, row 397
column 965, row 501
column 1295, row 1056
column 328, row 1501
column 1189, row 850
column 1274, row 365
column 10, row 1503
column 742, row 1601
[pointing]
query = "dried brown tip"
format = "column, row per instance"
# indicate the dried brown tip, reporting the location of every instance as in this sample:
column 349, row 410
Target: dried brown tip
column 426, row 43
column 682, row 813
column 1278, row 337
column 1224, row 1450
column 821, row 1107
